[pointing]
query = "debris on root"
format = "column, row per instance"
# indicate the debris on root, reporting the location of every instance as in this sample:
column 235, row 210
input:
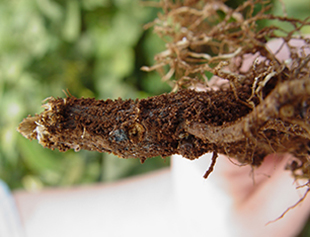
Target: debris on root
column 213, row 161
column 262, row 108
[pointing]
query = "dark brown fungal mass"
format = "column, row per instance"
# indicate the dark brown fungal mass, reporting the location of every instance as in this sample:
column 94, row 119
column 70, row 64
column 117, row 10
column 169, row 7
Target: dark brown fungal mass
column 141, row 128
column 260, row 110
column 189, row 123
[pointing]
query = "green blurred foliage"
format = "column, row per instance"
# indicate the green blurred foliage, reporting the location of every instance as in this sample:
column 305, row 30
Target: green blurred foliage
column 93, row 48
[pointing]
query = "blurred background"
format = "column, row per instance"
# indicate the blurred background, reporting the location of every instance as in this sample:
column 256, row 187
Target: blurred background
column 93, row 48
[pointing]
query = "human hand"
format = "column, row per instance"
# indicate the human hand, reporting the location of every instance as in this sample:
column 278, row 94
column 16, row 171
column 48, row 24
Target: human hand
column 240, row 201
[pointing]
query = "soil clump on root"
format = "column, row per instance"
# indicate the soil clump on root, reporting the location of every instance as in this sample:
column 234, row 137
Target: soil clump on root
column 261, row 108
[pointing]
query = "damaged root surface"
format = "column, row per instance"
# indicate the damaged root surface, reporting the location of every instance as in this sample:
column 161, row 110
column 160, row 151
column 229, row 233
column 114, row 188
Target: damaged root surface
column 188, row 123
column 262, row 108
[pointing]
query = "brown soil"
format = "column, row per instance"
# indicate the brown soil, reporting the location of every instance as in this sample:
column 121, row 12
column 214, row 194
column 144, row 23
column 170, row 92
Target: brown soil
column 262, row 109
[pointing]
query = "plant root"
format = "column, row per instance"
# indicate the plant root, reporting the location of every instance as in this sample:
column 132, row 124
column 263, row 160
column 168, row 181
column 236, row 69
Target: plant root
column 263, row 108
column 290, row 208
column 209, row 171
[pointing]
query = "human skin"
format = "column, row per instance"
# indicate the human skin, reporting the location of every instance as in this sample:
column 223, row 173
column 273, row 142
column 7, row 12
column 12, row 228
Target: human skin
column 255, row 196
column 233, row 201
column 239, row 201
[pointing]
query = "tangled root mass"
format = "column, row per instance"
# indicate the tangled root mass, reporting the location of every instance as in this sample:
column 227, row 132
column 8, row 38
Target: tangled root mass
column 262, row 108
